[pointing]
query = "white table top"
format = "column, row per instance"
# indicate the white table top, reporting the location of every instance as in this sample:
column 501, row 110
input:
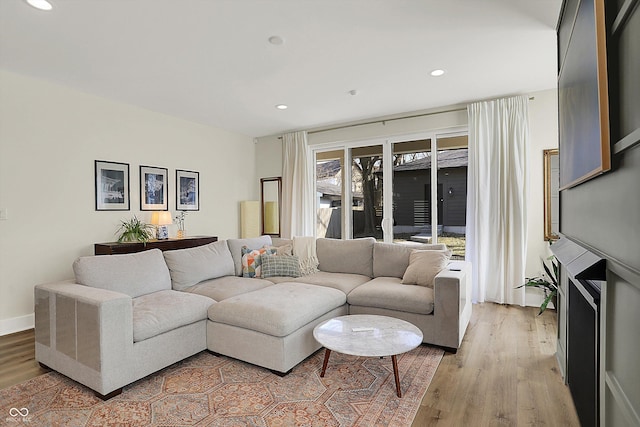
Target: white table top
column 368, row 335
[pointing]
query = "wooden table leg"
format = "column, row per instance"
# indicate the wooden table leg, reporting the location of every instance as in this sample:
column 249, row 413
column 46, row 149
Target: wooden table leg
column 395, row 373
column 327, row 352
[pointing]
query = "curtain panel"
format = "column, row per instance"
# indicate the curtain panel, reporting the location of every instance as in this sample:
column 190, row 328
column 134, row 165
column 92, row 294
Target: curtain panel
column 297, row 187
column 497, row 198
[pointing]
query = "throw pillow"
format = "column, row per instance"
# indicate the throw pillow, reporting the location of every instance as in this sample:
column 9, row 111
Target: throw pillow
column 283, row 250
column 280, row 266
column 424, row 266
column 252, row 261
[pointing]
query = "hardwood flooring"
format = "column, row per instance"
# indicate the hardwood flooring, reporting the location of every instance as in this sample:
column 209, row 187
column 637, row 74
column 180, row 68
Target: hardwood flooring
column 18, row 358
column 505, row 373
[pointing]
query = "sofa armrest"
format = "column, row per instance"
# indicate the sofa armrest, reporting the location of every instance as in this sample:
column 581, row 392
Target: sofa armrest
column 83, row 332
column 452, row 300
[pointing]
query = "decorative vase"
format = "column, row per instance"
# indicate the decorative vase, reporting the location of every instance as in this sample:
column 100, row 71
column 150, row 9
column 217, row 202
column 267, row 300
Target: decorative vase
column 181, row 234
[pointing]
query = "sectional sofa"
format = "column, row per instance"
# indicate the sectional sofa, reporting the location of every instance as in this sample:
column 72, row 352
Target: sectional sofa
column 124, row 317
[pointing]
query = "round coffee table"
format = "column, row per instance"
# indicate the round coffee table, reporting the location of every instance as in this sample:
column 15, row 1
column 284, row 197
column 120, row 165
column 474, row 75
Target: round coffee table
column 369, row 336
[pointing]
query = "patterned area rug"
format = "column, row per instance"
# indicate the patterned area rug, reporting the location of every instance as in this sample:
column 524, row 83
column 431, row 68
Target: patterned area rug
column 206, row 390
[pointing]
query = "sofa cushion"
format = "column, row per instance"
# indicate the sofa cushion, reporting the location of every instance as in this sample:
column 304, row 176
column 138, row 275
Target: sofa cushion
column 193, row 265
column 424, row 266
column 159, row 312
column 277, row 310
column 252, row 260
column 346, row 256
column 280, row 266
column 389, row 293
column 235, row 247
column 392, row 259
column 228, row 286
column 344, row 282
column 131, row 274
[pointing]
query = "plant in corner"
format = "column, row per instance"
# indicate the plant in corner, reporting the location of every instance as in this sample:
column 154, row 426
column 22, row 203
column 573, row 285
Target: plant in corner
column 548, row 282
column 134, row 230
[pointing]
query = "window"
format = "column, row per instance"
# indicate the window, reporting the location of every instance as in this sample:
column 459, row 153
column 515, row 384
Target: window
column 388, row 192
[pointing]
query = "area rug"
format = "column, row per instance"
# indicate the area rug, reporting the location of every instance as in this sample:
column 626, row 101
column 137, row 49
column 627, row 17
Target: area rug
column 208, row 390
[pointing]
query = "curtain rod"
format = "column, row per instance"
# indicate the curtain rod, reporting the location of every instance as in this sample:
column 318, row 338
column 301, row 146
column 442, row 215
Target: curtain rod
column 384, row 121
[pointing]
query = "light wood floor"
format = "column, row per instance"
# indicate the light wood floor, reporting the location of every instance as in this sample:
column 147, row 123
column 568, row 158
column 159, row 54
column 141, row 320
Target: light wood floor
column 505, row 373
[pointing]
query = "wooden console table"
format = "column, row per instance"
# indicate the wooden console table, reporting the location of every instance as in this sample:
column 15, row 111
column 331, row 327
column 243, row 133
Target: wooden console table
column 112, row 248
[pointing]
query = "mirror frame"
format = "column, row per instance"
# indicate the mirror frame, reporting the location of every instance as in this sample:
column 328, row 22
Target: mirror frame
column 549, row 235
column 263, row 181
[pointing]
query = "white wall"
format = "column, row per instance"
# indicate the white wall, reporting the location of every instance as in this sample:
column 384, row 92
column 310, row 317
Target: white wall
column 543, row 123
column 49, row 138
column 543, row 129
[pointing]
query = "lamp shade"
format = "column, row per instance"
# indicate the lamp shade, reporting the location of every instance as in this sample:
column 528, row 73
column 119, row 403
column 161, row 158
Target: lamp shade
column 271, row 218
column 249, row 218
column 161, row 218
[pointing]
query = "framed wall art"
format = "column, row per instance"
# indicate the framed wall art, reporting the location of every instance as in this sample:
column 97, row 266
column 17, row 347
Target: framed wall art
column 153, row 188
column 112, row 186
column 187, row 190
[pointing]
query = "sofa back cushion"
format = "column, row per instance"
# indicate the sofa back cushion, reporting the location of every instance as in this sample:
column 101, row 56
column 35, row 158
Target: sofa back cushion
column 235, row 246
column 131, row 274
column 346, row 256
column 191, row 266
column 392, row 259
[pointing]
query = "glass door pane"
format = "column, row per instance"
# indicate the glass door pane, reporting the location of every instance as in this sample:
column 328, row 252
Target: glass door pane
column 452, row 192
column 429, row 206
column 367, row 192
column 412, row 191
column 329, row 191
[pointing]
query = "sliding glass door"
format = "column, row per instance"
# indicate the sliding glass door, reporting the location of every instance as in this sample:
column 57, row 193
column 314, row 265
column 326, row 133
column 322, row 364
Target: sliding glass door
column 410, row 190
column 430, row 191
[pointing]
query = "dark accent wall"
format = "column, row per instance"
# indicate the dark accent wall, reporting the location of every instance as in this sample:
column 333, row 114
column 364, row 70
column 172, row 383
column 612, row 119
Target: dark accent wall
column 604, row 215
column 604, row 212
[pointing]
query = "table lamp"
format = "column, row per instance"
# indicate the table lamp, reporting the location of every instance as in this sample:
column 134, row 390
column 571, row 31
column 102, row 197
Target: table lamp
column 161, row 220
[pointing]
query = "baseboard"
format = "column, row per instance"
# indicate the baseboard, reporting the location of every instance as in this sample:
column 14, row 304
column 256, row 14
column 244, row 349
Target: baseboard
column 17, row 324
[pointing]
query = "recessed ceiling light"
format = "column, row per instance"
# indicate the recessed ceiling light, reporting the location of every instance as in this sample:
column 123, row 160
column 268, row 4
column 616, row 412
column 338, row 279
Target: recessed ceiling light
column 437, row 73
column 281, row 107
column 40, row 4
column 276, row 40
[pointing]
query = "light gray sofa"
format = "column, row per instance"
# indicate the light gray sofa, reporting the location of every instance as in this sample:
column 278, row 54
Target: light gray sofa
column 127, row 316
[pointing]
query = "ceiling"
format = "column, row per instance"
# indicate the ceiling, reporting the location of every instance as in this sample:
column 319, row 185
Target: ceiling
column 210, row 61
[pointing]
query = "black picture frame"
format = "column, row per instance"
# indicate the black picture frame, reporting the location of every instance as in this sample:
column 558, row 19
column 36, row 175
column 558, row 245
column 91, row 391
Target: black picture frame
column 111, row 186
column 187, row 190
column 154, row 188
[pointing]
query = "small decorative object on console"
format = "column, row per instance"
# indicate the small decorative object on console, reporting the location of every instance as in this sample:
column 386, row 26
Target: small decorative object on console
column 179, row 219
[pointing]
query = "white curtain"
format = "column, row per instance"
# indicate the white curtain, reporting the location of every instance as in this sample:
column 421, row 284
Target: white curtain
column 497, row 198
column 297, row 187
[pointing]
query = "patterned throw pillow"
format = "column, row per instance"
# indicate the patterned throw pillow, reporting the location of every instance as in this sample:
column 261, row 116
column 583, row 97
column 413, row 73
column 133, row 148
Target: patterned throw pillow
column 280, row 266
column 252, row 261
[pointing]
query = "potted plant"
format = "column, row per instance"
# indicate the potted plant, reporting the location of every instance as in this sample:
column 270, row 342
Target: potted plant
column 134, row 230
column 548, row 282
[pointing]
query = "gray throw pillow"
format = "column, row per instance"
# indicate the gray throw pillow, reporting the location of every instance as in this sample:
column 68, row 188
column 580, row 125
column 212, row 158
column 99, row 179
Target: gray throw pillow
column 280, row 266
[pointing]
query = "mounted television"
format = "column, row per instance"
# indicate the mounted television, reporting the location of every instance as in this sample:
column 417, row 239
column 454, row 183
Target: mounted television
column 583, row 105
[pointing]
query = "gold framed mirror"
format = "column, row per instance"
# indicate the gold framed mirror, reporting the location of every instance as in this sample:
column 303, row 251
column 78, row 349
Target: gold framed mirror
column 270, row 204
column 551, row 194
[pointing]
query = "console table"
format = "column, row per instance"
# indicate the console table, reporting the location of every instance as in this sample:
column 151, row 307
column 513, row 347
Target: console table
column 112, row 248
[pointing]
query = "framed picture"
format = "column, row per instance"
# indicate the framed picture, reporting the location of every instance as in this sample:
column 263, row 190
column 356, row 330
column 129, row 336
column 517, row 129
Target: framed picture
column 153, row 188
column 583, row 94
column 187, row 190
column 112, row 186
